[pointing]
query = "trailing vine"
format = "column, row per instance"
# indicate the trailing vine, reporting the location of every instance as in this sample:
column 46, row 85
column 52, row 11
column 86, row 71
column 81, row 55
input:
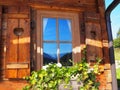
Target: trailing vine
column 52, row 75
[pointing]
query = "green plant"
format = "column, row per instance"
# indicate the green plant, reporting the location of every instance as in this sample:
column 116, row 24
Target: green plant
column 117, row 53
column 118, row 76
column 52, row 75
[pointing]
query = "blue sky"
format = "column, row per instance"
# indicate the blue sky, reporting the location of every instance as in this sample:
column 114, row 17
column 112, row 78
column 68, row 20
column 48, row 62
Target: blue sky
column 57, row 29
column 115, row 18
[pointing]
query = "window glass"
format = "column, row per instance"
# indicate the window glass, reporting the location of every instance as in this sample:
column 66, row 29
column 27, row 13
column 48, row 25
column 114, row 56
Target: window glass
column 64, row 26
column 57, row 41
column 49, row 53
column 49, row 29
column 66, row 54
column 107, row 3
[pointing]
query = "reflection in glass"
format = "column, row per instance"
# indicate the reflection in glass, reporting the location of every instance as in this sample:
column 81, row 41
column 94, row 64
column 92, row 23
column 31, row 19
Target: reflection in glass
column 49, row 29
column 64, row 26
column 66, row 54
column 49, row 53
column 54, row 32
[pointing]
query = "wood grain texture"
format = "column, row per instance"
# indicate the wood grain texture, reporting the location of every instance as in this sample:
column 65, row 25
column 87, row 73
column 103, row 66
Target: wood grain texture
column 93, row 38
column 17, row 16
column 70, row 5
column 1, row 51
column 11, row 48
column 12, row 84
column 106, row 57
column 33, row 40
column 104, row 32
column 76, row 3
column 17, row 65
column 24, row 48
column 18, row 9
column 24, row 41
column 0, row 19
column 18, row 48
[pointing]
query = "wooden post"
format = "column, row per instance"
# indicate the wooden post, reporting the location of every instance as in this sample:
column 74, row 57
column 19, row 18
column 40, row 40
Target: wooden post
column 106, row 58
column 1, row 71
column 3, row 40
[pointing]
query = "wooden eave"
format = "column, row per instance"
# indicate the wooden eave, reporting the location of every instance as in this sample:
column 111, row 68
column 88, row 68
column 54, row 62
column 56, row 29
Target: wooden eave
column 54, row 5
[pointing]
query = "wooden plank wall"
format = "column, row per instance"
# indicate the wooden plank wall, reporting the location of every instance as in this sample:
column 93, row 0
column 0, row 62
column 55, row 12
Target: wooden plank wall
column 93, row 37
column 107, row 67
column 95, row 47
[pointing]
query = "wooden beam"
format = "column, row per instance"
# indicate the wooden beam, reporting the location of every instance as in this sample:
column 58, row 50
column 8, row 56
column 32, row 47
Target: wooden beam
column 17, row 65
column 13, row 2
column 53, row 7
column 17, row 16
column 66, row 6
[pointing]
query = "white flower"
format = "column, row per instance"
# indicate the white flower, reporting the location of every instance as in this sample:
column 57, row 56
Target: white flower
column 59, row 64
column 90, row 70
column 74, row 76
column 45, row 67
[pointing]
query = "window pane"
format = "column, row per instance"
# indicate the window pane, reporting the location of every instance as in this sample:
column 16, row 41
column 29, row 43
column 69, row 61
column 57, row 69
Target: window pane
column 65, row 54
column 49, row 29
column 49, row 53
column 64, row 26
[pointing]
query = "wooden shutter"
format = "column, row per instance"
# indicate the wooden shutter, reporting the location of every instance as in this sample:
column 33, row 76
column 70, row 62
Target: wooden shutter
column 18, row 47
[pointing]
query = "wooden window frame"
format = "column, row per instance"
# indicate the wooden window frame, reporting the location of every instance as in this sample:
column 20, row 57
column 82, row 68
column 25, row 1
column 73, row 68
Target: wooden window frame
column 57, row 41
column 74, row 17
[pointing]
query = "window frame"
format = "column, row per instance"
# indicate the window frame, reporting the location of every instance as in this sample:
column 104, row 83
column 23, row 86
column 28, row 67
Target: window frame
column 74, row 17
column 57, row 41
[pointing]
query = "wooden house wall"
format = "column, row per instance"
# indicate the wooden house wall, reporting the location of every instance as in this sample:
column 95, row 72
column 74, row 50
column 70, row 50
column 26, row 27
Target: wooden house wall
column 93, row 34
column 107, row 72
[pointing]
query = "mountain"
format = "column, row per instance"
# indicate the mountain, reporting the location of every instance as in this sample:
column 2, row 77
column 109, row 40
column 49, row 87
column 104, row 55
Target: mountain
column 64, row 60
column 46, row 55
column 47, row 58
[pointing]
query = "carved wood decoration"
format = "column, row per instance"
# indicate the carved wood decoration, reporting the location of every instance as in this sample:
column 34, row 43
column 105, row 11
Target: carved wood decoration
column 18, row 47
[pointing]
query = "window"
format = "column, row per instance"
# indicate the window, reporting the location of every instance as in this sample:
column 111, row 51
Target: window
column 57, row 38
column 57, row 41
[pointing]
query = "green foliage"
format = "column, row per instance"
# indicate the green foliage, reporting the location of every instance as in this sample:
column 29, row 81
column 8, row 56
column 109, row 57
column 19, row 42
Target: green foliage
column 52, row 75
column 117, row 40
column 117, row 53
column 118, row 33
column 118, row 76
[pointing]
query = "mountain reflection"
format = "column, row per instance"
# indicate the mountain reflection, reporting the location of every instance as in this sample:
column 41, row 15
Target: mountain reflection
column 64, row 59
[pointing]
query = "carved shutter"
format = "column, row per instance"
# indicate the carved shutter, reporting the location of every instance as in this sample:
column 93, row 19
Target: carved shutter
column 18, row 45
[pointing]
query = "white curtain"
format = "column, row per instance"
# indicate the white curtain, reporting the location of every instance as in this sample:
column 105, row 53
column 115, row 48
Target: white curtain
column 69, row 24
column 45, row 21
